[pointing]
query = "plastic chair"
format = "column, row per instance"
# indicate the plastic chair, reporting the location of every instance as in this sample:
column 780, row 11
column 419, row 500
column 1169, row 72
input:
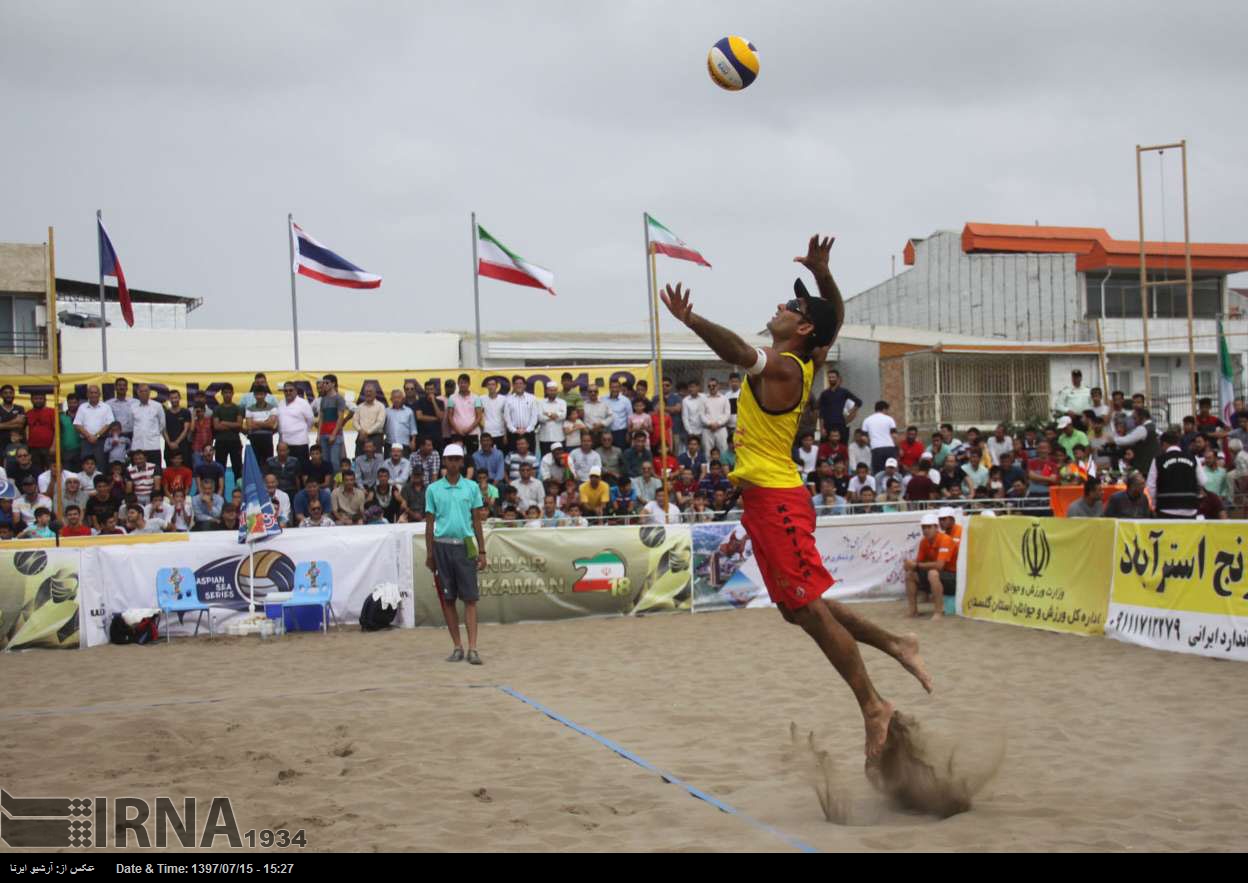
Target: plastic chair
column 175, row 592
column 314, row 587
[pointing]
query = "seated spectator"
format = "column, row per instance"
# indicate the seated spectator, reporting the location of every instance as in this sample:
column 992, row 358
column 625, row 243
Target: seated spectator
column 386, row 497
column 806, row 456
column 929, row 570
column 348, row 500
column 176, row 475
column 183, row 512
column 669, row 467
column 637, row 454
column 724, row 506
column 143, row 477
column 120, row 483
column 660, row 511
column 279, row 499
column 490, row 460
column 73, row 523
column 1131, row 503
column 367, row 465
column 229, row 518
column 595, row 493
column 1090, row 504
column 518, row 458
column 862, row 479
column 75, row 495
column 920, row 488
column 624, row 503
column 833, row 447
column 571, row 494
column 892, row 501
column 715, row 480
column 510, row 517
column 110, row 526
column 866, row 502
column 158, row 507
column 827, row 501
column 841, row 477
column 533, row 516
column 975, row 473
column 584, row 459
column 207, row 506
column 426, row 461
column 30, row 500
column 610, row 457
column 316, row 467
column 554, row 466
column 1214, row 476
column 891, row 470
column 346, row 468
column 999, row 444
column 302, row 502
column 136, row 523
column 859, row 451
column 552, row 515
column 285, row 467
column 700, row 512
column 693, row 458
column 529, row 491
column 574, row 518
column 683, row 488
column 648, row 484
column 100, row 504
column 1211, row 507
column 489, row 493
column 212, row 471
column 41, row 528
column 116, row 446
column 316, row 516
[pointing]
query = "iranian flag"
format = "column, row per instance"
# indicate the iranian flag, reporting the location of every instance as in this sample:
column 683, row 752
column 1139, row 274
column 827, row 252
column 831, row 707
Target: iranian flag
column 1226, row 378
column 664, row 241
column 601, row 572
column 497, row 261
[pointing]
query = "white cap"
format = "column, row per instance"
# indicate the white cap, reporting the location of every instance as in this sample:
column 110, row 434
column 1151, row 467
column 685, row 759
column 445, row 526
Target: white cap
column 453, row 450
column 891, row 461
column 396, row 447
column 946, row 512
column 988, row 513
column 930, row 519
column 557, row 446
column 926, row 455
column 595, row 470
column 1064, row 422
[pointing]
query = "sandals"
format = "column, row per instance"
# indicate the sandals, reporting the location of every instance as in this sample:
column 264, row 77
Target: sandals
column 457, row 655
column 474, row 658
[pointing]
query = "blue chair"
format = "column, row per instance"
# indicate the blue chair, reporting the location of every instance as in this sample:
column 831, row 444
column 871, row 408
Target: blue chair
column 175, row 593
column 314, row 587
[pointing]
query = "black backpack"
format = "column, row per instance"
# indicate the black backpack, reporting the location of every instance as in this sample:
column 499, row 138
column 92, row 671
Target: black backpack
column 374, row 617
column 144, row 631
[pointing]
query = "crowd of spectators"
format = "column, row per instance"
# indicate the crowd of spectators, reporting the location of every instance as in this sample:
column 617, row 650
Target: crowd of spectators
column 577, row 456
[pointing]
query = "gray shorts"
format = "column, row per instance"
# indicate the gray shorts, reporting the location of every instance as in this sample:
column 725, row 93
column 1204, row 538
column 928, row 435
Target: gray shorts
column 457, row 573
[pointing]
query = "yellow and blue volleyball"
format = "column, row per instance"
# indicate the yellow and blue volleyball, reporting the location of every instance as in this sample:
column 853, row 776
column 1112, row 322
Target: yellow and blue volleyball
column 733, row 63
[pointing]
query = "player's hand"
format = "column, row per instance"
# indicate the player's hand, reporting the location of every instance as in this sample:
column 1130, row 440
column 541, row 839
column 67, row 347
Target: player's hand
column 817, row 253
column 678, row 302
column 480, row 562
column 433, row 568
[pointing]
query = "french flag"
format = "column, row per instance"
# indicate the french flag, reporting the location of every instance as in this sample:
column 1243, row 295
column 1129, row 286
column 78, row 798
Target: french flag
column 110, row 266
column 314, row 260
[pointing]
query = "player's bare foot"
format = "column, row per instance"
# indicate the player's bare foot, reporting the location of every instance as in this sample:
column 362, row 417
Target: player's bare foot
column 876, row 720
column 911, row 661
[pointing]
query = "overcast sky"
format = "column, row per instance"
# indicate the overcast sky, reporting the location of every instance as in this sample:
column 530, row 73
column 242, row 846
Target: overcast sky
column 196, row 128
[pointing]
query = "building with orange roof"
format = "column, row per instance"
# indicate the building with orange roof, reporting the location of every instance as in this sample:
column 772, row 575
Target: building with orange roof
column 1057, row 287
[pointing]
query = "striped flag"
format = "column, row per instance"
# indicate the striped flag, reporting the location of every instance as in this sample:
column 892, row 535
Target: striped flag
column 664, row 241
column 497, row 261
column 602, row 572
column 110, row 266
column 1226, row 378
column 314, row 260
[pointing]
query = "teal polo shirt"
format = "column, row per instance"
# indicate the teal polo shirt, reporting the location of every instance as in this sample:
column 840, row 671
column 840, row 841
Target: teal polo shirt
column 451, row 506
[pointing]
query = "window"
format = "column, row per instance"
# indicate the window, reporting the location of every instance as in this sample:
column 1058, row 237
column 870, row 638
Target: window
column 18, row 331
column 1122, row 296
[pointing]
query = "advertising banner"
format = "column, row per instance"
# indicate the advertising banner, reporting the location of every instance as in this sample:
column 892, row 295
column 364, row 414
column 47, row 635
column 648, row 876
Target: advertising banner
column 39, row 599
column 535, row 574
column 864, row 553
column 1180, row 585
column 1044, row 573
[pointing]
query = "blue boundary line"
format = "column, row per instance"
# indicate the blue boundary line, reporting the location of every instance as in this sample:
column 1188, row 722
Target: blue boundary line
column 666, row 777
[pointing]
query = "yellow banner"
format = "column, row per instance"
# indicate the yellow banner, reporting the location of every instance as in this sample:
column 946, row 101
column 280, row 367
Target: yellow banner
column 1046, row 573
column 1197, row 567
column 350, row 383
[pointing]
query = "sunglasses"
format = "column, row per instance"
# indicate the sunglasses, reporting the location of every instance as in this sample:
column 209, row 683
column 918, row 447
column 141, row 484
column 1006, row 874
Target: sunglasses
column 795, row 306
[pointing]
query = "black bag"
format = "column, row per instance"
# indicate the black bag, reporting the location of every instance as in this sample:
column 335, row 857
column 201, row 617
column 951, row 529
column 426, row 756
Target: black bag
column 144, row 631
column 374, row 617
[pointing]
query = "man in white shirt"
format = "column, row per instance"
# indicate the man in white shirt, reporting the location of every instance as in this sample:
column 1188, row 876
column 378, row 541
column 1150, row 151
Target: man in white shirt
column 554, row 465
column 136, row 523
column 584, row 458
column 281, row 499
column 398, row 466
column 598, row 415
column 999, row 444
column 716, row 416
column 294, row 420
column 1099, row 406
column 692, row 408
column 733, row 393
column 520, row 414
column 93, row 420
column 492, row 407
column 1073, row 400
column 159, row 507
column 859, row 451
column 649, row 484
column 881, row 432
column 149, row 424
column 30, row 500
column 862, row 479
column 553, row 411
column 659, row 510
column 890, row 472
column 529, row 490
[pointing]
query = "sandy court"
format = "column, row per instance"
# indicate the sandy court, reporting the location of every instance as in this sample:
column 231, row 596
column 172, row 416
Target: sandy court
column 371, row 741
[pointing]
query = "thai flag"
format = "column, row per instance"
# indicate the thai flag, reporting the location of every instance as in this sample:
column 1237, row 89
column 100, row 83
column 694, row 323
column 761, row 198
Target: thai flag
column 110, row 266
column 316, row 261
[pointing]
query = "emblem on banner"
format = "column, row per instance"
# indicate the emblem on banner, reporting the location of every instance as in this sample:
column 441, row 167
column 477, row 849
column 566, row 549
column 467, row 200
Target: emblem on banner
column 1036, row 551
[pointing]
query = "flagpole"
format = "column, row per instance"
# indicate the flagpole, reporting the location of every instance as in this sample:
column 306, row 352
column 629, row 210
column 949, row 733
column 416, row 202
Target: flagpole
column 58, row 491
column 99, row 248
column 476, row 286
column 645, row 223
column 658, row 368
column 294, row 306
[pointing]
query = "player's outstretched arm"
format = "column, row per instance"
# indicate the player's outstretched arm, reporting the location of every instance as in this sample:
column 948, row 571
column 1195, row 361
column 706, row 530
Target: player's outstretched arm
column 816, row 260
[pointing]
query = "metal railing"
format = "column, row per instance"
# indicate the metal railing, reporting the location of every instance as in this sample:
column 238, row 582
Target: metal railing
column 30, row 344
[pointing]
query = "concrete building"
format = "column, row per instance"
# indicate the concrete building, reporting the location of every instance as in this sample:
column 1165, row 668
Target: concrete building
column 1059, row 298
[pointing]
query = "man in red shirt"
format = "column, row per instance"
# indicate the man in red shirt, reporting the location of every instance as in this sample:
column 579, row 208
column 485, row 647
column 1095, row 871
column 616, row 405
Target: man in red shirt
column 1042, row 473
column 39, row 422
column 833, row 447
column 910, row 449
column 73, row 523
column 176, row 475
column 920, row 488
